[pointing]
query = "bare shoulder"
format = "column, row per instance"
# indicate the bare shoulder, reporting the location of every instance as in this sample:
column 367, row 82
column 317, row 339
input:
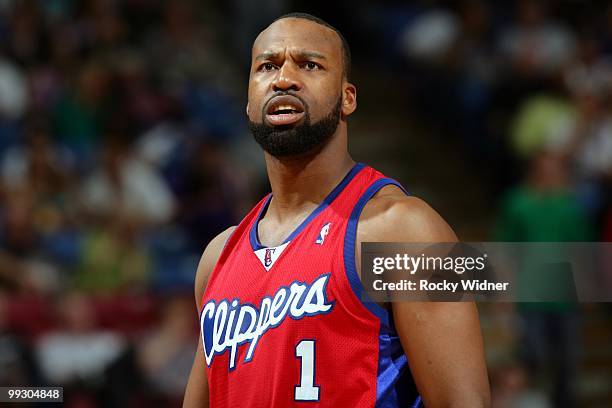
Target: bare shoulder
column 442, row 340
column 207, row 262
column 393, row 216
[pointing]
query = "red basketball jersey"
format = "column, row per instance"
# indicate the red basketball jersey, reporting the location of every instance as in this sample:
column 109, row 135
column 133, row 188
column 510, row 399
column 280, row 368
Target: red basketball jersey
column 286, row 326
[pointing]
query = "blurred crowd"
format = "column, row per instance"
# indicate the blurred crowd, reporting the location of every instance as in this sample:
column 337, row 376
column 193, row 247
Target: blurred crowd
column 123, row 152
column 525, row 88
column 116, row 123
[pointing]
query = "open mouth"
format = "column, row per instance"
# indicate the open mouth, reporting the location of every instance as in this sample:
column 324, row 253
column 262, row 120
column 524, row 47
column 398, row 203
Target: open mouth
column 284, row 110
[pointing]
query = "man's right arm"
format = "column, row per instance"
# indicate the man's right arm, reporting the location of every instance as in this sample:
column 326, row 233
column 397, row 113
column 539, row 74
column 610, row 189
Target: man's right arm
column 196, row 394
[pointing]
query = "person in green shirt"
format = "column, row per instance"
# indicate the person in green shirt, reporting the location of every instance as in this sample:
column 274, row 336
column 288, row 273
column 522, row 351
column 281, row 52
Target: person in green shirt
column 544, row 209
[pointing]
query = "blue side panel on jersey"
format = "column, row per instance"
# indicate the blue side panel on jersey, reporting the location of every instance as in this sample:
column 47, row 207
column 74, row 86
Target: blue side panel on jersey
column 392, row 361
column 395, row 386
column 254, row 238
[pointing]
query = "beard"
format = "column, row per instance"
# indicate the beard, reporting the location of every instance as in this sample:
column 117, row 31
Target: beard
column 296, row 140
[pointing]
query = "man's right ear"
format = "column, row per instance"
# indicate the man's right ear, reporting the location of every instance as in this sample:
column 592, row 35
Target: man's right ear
column 247, row 109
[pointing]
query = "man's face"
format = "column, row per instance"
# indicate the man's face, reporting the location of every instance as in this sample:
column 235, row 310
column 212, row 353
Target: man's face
column 295, row 87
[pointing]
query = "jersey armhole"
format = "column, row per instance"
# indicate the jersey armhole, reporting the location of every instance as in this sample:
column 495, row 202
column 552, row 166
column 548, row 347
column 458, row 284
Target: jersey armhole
column 350, row 238
column 231, row 241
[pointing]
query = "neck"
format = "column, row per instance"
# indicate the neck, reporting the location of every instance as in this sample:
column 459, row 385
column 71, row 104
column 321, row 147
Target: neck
column 299, row 182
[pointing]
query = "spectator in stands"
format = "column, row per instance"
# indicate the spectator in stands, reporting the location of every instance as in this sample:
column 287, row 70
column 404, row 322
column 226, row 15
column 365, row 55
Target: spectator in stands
column 24, row 263
column 511, row 389
column 125, row 188
column 211, row 193
column 77, row 353
column 166, row 354
column 17, row 365
column 82, row 109
column 590, row 141
column 543, row 209
column 112, row 260
column 536, row 45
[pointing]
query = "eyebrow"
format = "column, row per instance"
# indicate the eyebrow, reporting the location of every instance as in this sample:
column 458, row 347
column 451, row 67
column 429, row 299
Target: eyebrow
column 303, row 54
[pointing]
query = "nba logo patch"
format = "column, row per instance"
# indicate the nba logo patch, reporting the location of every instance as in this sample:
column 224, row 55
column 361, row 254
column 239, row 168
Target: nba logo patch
column 323, row 233
column 268, row 257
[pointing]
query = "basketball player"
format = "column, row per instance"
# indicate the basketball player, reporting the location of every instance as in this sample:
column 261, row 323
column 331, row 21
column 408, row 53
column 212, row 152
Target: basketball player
column 282, row 317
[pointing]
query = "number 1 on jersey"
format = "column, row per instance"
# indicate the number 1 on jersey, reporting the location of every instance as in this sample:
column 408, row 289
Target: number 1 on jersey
column 306, row 391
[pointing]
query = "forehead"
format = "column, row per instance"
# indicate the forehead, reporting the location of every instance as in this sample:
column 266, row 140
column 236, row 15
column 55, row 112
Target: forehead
column 298, row 34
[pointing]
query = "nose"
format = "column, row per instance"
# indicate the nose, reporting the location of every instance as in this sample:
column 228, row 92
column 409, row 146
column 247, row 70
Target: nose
column 286, row 79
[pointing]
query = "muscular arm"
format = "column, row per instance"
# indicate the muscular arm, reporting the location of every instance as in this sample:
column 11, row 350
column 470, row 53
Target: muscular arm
column 196, row 394
column 442, row 340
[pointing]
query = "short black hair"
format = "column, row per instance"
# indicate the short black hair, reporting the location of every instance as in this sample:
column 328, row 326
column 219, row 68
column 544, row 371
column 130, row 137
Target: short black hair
column 346, row 51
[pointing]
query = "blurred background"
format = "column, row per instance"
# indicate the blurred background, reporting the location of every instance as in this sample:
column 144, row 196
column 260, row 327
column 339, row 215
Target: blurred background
column 124, row 150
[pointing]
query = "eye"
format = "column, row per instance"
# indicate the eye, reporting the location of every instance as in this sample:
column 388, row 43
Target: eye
column 267, row 67
column 310, row 66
